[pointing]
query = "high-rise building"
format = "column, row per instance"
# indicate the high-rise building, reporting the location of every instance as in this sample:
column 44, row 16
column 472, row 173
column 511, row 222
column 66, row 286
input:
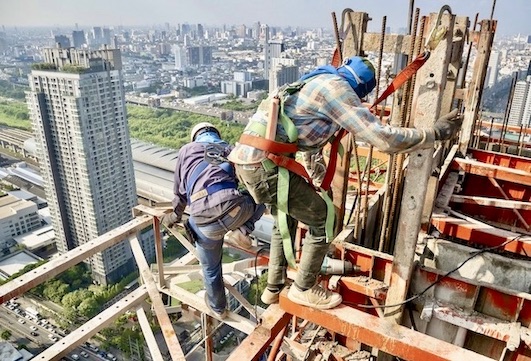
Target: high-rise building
column 283, row 71
column 273, row 49
column 96, row 37
column 264, row 38
column 78, row 38
column 79, row 119
column 180, row 58
column 493, row 68
column 200, row 31
column 520, row 111
column 62, row 40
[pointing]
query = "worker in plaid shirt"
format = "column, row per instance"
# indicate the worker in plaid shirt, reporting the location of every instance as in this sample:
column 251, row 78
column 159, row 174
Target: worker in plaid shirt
column 330, row 99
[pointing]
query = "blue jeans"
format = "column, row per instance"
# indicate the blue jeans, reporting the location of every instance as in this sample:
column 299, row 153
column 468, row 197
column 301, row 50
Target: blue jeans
column 209, row 246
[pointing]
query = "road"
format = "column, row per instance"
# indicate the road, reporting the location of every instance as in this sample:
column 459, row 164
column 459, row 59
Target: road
column 21, row 329
column 240, row 117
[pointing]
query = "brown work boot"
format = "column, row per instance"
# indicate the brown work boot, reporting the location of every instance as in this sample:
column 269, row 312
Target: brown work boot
column 315, row 297
column 238, row 239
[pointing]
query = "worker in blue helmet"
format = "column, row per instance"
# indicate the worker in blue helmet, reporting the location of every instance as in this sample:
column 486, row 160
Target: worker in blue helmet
column 312, row 111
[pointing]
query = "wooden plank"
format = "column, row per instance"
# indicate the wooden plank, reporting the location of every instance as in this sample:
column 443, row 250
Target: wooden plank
column 60, row 264
column 430, row 85
column 380, row 333
column 492, row 170
column 93, row 326
column 165, row 323
column 491, row 202
column 274, row 319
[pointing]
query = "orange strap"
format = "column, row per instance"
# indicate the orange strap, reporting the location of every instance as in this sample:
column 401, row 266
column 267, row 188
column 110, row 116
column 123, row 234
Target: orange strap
column 331, row 169
column 267, row 145
column 403, row 76
column 290, row 164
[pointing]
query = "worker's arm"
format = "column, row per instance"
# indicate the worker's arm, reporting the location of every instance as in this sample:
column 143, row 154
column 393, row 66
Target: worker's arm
column 343, row 106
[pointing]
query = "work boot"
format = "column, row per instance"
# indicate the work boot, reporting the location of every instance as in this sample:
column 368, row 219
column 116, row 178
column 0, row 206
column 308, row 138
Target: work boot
column 239, row 239
column 221, row 315
column 315, row 297
column 269, row 297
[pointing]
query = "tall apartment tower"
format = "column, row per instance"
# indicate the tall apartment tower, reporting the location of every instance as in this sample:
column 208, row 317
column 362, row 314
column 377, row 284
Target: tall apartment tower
column 264, row 36
column 283, row 71
column 79, row 120
column 78, row 38
column 494, row 68
column 520, row 111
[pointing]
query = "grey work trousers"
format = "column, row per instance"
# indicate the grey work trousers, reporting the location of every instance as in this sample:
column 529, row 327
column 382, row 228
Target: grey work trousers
column 304, row 205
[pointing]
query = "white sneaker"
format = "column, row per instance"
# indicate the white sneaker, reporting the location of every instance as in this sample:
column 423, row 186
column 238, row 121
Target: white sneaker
column 316, row 297
column 239, row 239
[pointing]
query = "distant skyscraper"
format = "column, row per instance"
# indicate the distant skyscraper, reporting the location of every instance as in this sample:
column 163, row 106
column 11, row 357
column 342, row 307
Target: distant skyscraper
column 273, row 50
column 107, row 36
column 200, row 31
column 62, row 40
column 78, row 38
column 494, row 68
column 520, row 111
column 264, row 38
column 79, row 117
column 96, row 37
column 180, row 58
column 283, row 71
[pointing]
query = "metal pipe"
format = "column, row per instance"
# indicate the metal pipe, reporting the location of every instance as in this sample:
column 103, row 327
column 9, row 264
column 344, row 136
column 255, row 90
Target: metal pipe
column 520, row 140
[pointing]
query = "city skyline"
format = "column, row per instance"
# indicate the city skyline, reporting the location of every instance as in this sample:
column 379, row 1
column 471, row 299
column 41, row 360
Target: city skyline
column 25, row 13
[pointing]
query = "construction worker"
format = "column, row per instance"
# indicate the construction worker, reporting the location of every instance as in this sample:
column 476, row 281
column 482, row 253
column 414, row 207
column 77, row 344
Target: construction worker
column 206, row 182
column 312, row 110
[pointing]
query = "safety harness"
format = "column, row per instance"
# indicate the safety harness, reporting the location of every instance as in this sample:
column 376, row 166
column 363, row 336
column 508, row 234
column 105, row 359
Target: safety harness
column 281, row 154
column 212, row 157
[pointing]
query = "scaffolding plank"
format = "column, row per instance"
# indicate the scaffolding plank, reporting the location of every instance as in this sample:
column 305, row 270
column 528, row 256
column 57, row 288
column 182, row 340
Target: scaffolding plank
column 166, row 326
column 492, row 170
column 274, row 319
column 60, row 264
column 380, row 333
column 93, row 326
column 491, row 202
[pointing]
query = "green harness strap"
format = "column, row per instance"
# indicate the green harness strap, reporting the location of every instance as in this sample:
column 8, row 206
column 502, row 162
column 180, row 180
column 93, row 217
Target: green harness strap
column 283, row 182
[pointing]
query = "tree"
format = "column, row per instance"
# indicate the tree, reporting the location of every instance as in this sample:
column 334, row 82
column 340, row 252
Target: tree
column 5, row 335
column 89, row 307
column 256, row 289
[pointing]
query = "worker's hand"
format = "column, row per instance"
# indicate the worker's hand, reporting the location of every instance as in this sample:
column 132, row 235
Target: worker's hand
column 446, row 126
column 170, row 219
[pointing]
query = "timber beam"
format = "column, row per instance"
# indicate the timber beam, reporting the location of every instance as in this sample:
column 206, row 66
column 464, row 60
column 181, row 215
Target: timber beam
column 491, row 202
column 483, row 234
column 381, row 334
column 58, row 265
column 274, row 320
column 492, row 171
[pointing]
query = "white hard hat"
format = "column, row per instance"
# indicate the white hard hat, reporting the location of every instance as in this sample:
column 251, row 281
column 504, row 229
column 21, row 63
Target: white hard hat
column 202, row 126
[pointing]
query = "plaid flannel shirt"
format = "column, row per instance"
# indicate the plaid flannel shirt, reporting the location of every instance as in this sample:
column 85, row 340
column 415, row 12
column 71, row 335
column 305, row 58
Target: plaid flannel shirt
column 323, row 105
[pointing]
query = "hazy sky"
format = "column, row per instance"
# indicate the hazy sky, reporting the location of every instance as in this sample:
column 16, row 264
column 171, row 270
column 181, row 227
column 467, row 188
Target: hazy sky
column 512, row 15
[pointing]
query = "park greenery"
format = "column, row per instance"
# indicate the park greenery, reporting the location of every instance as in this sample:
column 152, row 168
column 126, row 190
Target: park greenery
column 14, row 114
column 12, row 91
column 74, row 291
column 170, row 128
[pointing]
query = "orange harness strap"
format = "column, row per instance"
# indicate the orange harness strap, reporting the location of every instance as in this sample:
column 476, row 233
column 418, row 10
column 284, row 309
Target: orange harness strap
column 403, row 76
column 273, row 148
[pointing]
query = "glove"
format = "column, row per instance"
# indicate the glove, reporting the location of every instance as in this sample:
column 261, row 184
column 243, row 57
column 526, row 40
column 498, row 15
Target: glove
column 446, row 126
column 170, row 220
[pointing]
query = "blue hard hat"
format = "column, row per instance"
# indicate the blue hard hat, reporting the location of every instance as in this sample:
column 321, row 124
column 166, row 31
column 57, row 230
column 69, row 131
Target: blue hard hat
column 360, row 74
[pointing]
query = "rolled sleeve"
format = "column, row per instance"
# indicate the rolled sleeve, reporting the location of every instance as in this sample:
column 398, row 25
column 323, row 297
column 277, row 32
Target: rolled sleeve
column 344, row 107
